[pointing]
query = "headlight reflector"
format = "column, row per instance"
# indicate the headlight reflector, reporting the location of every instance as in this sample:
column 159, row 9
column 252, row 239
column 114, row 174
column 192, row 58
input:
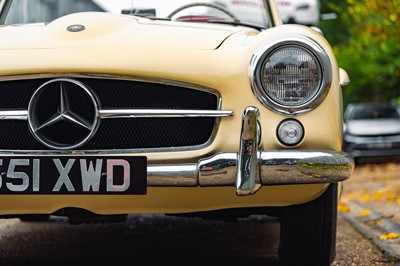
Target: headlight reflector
column 291, row 75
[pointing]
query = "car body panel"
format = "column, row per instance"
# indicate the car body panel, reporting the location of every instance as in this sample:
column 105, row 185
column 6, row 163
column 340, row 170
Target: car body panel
column 133, row 33
column 236, row 52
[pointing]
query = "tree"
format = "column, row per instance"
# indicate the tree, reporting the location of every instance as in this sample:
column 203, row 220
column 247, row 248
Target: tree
column 366, row 41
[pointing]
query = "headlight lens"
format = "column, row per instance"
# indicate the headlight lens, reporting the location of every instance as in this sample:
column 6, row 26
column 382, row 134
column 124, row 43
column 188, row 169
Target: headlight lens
column 291, row 76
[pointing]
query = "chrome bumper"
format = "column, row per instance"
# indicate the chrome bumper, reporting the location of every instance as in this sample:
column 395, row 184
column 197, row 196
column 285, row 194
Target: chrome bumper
column 272, row 168
column 250, row 168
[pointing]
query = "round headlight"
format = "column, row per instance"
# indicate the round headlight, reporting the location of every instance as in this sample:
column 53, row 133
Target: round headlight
column 291, row 76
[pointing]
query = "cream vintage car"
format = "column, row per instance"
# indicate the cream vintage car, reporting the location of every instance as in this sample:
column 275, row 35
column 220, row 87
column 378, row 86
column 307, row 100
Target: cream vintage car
column 208, row 109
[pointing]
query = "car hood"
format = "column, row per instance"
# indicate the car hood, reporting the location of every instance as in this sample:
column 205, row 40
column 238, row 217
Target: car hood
column 114, row 31
column 370, row 127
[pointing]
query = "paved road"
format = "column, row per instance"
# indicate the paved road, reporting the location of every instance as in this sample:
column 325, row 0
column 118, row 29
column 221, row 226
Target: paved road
column 159, row 240
column 371, row 201
column 142, row 239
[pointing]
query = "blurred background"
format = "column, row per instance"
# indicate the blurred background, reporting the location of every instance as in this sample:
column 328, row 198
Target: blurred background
column 366, row 40
column 365, row 36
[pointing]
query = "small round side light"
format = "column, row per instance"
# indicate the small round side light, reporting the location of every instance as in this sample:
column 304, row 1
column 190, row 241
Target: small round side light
column 290, row 132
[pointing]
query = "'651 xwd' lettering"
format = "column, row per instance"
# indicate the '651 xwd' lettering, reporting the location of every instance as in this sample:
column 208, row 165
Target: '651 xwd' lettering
column 77, row 175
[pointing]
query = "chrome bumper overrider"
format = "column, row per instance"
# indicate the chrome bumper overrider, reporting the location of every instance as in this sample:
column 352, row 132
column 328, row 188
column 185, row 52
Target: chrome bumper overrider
column 251, row 168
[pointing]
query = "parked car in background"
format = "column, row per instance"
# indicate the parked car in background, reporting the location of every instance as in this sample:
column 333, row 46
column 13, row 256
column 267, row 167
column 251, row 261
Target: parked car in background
column 305, row 12
column 372, row 130
column 177, row 107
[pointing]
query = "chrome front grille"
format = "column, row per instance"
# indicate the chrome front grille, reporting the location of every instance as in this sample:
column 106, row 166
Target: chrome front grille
column 146, row 115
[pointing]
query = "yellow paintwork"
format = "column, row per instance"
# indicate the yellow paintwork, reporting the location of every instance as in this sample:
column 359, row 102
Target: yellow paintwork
column 213, row 56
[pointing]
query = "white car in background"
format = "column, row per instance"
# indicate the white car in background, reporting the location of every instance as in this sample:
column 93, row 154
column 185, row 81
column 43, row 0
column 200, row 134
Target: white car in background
column 306, row 12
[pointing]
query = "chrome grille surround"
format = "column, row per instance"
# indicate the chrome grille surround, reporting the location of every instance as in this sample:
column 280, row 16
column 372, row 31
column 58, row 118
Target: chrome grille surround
column 116, row 113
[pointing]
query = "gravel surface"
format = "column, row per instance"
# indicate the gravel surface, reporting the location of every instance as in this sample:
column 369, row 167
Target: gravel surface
column 376, row 188
column 353, row 249
column 158, row 239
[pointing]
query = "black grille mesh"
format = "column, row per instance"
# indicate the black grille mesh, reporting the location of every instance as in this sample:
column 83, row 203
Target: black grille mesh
column 118, row 133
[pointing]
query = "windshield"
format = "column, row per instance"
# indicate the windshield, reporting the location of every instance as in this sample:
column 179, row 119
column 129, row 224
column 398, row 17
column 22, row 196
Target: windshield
column 239, row 11
column 374, row 112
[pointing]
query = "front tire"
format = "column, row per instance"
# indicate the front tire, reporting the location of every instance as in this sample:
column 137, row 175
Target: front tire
column 308, row 231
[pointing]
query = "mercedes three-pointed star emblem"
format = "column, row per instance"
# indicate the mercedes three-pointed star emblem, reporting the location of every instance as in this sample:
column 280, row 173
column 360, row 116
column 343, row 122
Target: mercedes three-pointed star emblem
column 75, row 28
column 63, row 114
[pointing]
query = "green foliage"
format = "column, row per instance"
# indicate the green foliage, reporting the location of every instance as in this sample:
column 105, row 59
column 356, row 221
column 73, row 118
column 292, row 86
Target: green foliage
column 366, row 41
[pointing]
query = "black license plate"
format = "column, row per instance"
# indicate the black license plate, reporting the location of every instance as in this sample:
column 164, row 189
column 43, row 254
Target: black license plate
column 73, row 175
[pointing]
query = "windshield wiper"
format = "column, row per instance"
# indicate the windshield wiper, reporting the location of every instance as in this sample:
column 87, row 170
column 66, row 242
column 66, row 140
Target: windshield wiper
column 227, row 22
column 238, row 23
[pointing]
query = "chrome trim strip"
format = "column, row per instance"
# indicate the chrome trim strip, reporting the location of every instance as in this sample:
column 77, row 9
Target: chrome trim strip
column 159, row 113
column 218, row 170
column 281, row 168
column 247, row 156
column 13, row 114
column 294, row 40
column 131, row 113
column 304, row 167
column 172, row 175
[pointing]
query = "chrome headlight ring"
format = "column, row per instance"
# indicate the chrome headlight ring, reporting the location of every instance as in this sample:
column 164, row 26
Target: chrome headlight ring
column 308, row 63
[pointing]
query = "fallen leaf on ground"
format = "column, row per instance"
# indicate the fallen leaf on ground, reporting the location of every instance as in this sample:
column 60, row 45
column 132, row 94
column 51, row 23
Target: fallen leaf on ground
column 343, row 208
column 365, row 212
column 389, row 236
